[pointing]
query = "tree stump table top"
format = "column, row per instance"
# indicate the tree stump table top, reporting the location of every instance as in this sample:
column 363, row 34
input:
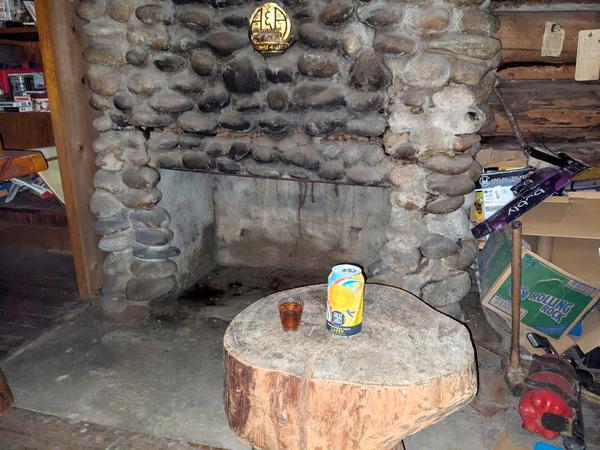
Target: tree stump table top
column 408, row 368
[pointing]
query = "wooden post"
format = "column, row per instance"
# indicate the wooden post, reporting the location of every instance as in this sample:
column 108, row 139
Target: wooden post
column 515, row 294
column 6, row 397
column 72, row 123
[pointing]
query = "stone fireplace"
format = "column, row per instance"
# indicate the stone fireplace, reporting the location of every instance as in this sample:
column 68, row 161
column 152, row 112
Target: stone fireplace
column 367, row 126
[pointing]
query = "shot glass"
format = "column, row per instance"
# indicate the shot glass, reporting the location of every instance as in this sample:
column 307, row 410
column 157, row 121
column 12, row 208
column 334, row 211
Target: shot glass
column 290, row 313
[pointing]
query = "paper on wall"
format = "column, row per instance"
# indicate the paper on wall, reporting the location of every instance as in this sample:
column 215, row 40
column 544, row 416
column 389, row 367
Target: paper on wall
column 554, row 37
column 587, row 66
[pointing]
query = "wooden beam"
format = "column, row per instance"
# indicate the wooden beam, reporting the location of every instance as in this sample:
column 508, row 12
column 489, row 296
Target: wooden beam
column 521, row 33
column 553, row 109
column 72, row 121
column 538, row 72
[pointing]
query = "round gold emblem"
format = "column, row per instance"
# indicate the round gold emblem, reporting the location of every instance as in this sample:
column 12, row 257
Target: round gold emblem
column 270, row 28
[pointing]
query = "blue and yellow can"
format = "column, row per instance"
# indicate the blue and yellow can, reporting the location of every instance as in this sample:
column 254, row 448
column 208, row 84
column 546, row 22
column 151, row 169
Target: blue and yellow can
column 345, row 298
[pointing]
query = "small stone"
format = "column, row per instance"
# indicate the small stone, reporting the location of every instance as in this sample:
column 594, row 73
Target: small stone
column 331, row 170
column 400, row 256
column 154, row 36
column 213, row 99
column 278, row 99
column 148, row 269
column 171, row 102
column 453, row 97
column 299, row 173
column 226, row 165
column 141, row 177
column 446, row 292
column 317, row 65
column 187, row 82
column 485, row 87
column 194, row 17
column 196, row 122
column 104, row 80
column 168, row 62
column 104, row 55
column 465, row 72
column 379, row 15
column 103, row 123
column 224, row 43
column 319, row 124
column 115, row 242
column 265, row 153
column 104, row 28
column 239, row 150
column 452, row 185
column 144, row 83
column 315, row 95
column 274, row 123
column 117, row 263
column 445, row 205
column 466, row 44
column 235, row 122
column 260, row 170
column 314, row 36
column 137, row 56
column 150, row 218
column 351, row 155
column 395, row 44
column 240, row 76
column 433, row 20
column 158, row 252
column 183, row 39
column 151, row 15
column 436, row 247
column 304, row 157
column 365, row 175
column 115, row 284
column 476, row 21
column 236, row 21
column 113, row 224
column 455, row 225
column 120, row 10
column 465, row 257
column 426, row 70
column 109, row 180
column 146, row 117
column 369, row 73
column 104, row 204
column 373, row 155
column 190, row 140
column 196, row 161
column 332, row 150
column 91, row 9
column 100, row 102
column 148, row 236
column 249, row 103
column 474, row 171
column 141, row 198
column 203, row 62
column 448, row 165
column 364, row 101
column 367, row 126
column 217, row 148
column 139, row 289
column 336, row 12
column 304, row 15
column 163, row 141
column 108, row 161
column 279, row 74
column 356, row 37
column 225, row 3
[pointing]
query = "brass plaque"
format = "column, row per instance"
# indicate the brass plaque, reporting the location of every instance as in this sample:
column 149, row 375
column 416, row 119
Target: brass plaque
column 270, row 28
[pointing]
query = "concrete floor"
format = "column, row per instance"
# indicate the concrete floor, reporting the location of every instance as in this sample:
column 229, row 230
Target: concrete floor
column 164, row 378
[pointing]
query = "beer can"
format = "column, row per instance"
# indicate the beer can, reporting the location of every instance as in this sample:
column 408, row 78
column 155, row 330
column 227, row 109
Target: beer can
column 345, row 297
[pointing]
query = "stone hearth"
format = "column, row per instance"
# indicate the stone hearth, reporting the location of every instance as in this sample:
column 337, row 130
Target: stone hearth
column 388, row 94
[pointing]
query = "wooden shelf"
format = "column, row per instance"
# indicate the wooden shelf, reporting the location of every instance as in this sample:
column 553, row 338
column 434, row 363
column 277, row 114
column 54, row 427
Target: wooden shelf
column 24, row 33
column 23, row 130
column 29, row 209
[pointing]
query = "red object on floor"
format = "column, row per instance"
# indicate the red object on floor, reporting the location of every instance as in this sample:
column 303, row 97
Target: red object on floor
column 551, row 387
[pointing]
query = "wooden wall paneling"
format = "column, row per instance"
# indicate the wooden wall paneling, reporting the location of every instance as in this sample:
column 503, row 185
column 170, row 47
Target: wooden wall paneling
column 538, row 72
column 522, row 32
column 72, row 121
column 554, row 109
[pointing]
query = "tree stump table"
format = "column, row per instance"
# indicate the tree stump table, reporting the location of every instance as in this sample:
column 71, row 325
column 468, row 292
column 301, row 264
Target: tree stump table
column 408, row 368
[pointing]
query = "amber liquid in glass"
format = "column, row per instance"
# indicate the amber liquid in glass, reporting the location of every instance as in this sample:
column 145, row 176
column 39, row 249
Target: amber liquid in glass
column 290, row 314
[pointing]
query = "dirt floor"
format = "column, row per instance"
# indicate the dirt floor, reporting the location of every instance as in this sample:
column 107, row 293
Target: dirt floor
column 89, row 383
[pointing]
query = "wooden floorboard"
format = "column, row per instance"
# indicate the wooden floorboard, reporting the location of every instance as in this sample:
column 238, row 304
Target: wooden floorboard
column 37, row 290
column 22, row 429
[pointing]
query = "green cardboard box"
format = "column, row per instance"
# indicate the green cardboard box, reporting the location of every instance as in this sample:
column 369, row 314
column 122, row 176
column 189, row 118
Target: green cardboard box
column 552, row 300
